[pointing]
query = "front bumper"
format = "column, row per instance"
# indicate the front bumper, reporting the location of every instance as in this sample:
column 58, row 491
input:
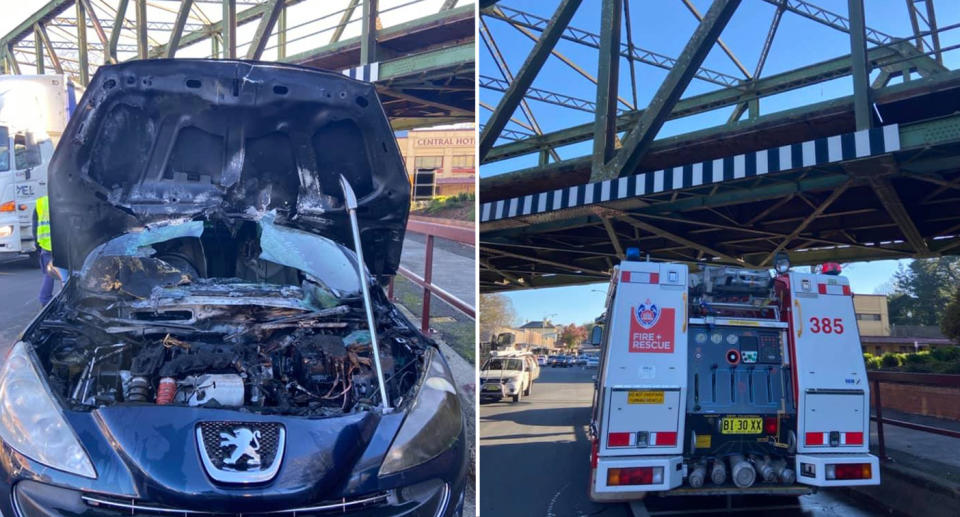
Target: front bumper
column 428, row 499
column 140, row 473
column 497, row 391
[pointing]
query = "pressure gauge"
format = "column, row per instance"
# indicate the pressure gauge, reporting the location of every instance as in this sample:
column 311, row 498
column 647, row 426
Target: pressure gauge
column 732, row 339
column 717, row 338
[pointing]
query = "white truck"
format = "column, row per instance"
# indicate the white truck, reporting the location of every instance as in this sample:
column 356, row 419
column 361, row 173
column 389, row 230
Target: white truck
column 728, row 381
column 34, row 110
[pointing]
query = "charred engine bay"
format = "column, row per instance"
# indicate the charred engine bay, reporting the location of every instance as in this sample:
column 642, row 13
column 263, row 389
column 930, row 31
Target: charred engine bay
column 308, row 364
column 225, row 313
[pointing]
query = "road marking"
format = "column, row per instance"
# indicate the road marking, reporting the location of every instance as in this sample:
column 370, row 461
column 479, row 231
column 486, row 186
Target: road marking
column 553, row 501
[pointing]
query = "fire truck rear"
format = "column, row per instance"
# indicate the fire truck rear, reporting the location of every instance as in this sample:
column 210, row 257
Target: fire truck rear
column 728, row 380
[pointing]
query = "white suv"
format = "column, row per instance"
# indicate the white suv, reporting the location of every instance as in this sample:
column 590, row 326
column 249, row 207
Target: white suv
column 505, row 376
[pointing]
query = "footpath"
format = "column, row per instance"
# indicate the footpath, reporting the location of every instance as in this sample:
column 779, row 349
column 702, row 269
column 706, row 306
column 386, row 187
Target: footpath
column 921, row 475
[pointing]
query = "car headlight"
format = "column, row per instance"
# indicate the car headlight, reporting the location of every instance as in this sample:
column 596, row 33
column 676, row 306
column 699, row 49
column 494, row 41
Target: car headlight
column 31, row 421
column 432, row 425
column 6, row 231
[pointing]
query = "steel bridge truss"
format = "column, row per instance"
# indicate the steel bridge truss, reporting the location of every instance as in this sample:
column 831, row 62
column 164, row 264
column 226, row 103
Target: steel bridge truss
column 424, row 69
column 568, row 220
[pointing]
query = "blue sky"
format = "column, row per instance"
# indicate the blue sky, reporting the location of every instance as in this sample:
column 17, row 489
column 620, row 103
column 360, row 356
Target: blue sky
column 663, row 26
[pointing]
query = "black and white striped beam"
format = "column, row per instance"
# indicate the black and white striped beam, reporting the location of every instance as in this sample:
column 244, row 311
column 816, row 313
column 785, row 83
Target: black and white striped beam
column 369, row 73
column 839, row 148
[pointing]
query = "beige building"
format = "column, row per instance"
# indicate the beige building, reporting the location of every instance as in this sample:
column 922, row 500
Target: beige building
column 873, row 319
column 541, row 334
column 878, row 336
column 440, row 161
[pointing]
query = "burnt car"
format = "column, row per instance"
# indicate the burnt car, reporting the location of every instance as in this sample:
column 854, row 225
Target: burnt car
column 222, row 346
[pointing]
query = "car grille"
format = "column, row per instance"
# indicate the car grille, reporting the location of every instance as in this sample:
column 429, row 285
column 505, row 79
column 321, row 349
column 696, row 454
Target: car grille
column 134, row 507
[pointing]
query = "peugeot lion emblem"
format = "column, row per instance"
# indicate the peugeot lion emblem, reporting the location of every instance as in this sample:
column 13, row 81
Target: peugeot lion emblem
column 244, row 442
column 241, row 452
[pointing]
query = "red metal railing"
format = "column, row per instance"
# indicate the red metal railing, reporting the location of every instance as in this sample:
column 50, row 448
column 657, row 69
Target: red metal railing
column 920, row 379
column 431, row 230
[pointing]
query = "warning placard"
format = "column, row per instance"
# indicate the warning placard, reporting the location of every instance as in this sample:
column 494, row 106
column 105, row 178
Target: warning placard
column 645, row 397
column 652, row 328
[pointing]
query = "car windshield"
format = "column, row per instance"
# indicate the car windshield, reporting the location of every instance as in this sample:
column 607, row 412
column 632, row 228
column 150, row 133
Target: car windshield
column 183, row 253
column 504, row 364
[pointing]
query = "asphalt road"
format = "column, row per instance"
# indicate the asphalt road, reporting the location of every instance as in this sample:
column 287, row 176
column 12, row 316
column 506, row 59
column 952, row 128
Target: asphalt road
column 534, row 460
column 19, row 286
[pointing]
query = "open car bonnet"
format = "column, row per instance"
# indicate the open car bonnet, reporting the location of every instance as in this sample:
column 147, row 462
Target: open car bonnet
column 164, row 140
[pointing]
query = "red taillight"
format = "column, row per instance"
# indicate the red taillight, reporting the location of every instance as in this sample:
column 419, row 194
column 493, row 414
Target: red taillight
column 849, row 471
column 635, row 476
column 822, row 288
column 618, row 439
column 846, row 290
column 770, row 425
column 666, row 438
column 854, row 438
column 814, row 439
column 9, row 206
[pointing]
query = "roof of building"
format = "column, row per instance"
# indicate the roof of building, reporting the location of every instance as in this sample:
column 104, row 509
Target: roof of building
column 538, row 325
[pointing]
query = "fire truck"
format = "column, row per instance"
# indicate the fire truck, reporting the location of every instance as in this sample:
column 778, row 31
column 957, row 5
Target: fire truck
column 728, row 380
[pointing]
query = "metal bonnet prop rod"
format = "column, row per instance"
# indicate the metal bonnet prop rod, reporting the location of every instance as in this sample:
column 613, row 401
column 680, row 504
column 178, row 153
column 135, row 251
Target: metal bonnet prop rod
column 350, row 201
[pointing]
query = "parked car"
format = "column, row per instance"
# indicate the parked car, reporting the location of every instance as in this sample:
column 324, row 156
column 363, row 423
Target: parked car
column 592, row 362
column 581, row 360
column 502, row 377
column 559, row 361
column 212, row 351
column 542, row 360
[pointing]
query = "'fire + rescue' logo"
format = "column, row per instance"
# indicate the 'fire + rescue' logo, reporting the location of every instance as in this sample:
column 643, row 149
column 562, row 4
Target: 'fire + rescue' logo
column 652, row 328
column 647, row 314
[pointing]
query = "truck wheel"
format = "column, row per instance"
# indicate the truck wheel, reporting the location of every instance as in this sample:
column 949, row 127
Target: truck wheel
column 526, row 393
column 516, row 398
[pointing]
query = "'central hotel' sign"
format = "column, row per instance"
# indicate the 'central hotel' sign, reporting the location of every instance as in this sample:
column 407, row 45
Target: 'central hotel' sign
column 460, row 141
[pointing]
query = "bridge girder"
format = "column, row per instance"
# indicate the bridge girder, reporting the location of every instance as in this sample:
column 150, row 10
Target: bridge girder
column 568, row 221
column 426, row 66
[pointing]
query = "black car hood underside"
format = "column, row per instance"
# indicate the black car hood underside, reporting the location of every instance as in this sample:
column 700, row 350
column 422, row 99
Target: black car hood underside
column 164, row 140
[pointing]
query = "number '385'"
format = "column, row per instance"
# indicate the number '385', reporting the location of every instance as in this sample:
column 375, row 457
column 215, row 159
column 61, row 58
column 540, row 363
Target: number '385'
column 826, row 325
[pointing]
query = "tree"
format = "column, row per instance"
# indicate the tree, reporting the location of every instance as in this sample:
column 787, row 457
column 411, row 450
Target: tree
column 496, row 312
column 922, row 290
column 950, row 324
column 571, row 335
column 887, row 288
column 588, row 329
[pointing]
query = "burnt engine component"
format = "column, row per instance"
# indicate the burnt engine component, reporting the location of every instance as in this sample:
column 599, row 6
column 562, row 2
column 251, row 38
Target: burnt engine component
column 221, row 389
column 309, row 372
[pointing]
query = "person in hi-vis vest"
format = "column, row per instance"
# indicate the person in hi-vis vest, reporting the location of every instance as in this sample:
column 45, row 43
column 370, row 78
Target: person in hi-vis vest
column 41, row 230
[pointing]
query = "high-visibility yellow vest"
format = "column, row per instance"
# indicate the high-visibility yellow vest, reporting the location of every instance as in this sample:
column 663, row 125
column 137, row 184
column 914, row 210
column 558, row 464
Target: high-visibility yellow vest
column 43, row 223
